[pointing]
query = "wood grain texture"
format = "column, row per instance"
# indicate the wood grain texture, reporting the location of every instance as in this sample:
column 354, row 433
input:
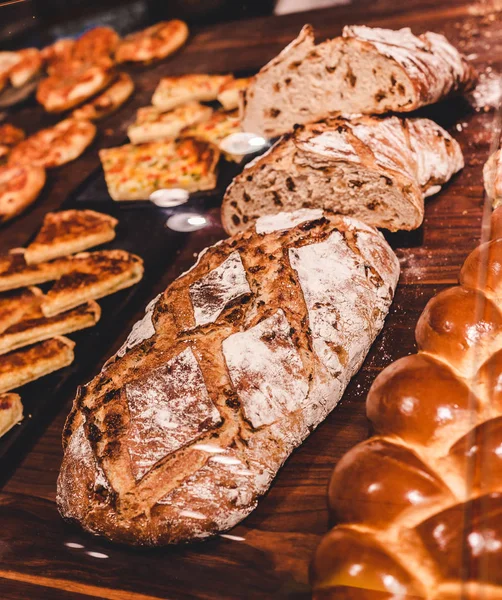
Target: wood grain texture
column 271, row 550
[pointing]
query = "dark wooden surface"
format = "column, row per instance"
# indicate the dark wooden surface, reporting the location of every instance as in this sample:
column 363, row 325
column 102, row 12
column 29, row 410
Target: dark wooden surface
column 269, row 557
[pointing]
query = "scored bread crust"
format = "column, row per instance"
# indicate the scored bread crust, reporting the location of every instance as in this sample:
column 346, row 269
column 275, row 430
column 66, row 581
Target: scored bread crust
column 377, row 170
column 366, row 70
column 25, row 365
column 228, row 371
column 68, row 232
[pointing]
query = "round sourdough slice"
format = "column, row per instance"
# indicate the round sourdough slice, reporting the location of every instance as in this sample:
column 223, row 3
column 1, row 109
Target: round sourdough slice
column 20, row 186
column 153, row 43
column 55, row 146
column 108, row 101
column 72, row 85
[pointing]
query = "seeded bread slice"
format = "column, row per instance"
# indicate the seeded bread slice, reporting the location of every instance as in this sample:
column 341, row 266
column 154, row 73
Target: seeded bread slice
column 365, row 71
column 378, row 170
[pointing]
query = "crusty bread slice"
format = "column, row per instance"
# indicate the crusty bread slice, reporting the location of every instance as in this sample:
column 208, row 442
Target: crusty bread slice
column 11, row 412
column 17, row 305
column 366, row 70
column 28, row 364
column 15, row 273
column 378, row 170
column 38, row 328
column 68, row 232
column 99, row 274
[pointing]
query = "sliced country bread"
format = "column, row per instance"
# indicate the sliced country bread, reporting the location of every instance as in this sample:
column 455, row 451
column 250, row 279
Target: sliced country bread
column 365, row 71
column 378, row 170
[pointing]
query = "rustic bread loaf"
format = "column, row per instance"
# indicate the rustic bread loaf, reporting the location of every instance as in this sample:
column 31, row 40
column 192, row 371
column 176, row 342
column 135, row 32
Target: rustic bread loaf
column 419, row 505
column 377, row 170
column 366, row 70
column 229, row 370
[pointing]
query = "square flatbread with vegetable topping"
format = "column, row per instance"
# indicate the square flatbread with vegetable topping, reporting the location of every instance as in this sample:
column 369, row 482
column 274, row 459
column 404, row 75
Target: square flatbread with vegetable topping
column 153, row 43
column 135, row 172
column 230, row 92
column 173, row 91
column 217, row 128
column 151, row 124
column 54, row 146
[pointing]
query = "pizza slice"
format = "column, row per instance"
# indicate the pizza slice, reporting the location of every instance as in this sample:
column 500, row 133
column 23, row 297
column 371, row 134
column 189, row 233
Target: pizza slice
column 135, row 172
column 54, row 146
column 108, row 101
column 17, row 305
column 9, row 137
column 11, row 412
column 21, row 367
column 99, row 274
column 71, row 84
column 174, row 91
column 217, row 128
column 38, row 327
column 68, row 232
column 152, row 124
column 153, row 43
column 230, row 92
column 20, row 186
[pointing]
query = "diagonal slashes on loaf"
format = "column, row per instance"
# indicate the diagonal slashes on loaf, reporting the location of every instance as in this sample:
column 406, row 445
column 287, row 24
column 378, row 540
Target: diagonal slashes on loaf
column 229, row 370
column 419, row 505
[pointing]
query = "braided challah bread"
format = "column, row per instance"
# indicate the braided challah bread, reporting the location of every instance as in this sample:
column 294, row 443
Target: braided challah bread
column 419, row 505
column 365, row 71
column 373, row 169
column 230, row 369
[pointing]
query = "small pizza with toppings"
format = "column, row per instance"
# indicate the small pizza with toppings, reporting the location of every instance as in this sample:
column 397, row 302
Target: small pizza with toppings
column 230, row 92
column 20, row 186
column 108, row 101
column 96, row 46
column 151, row 124
column 154, row 43
column 19, row 74
column 54, row 146
column 65, row 89
column 173, row 91
column 56, row 54
column 214, row 130
column 9, row 137
column 135, row 172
